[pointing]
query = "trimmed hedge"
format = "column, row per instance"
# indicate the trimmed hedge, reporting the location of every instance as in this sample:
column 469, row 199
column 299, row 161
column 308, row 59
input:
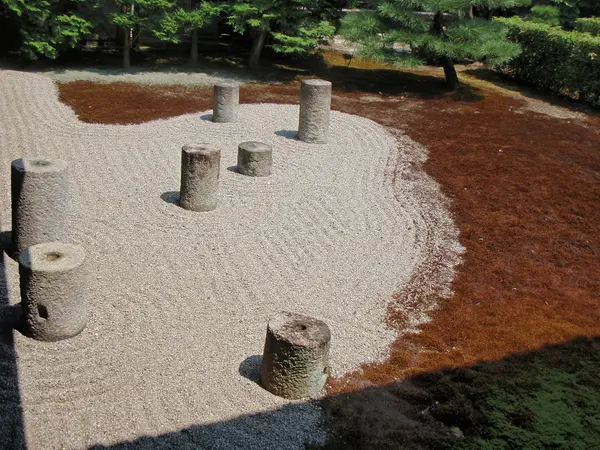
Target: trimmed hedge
column 565, row 62
column 588, row 25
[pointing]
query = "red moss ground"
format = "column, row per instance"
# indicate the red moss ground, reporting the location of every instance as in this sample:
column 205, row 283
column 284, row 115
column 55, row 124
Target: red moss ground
column 525, row 191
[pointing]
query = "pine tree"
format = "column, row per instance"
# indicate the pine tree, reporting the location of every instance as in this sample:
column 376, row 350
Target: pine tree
column 296, row 26
column 437, row 31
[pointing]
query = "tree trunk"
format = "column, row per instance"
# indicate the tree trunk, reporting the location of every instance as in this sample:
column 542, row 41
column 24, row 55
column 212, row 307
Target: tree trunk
column 450, row 73
column 470, row 14
column 126, row 50
column 258, row 42
column 194, row 50
column 437, row 29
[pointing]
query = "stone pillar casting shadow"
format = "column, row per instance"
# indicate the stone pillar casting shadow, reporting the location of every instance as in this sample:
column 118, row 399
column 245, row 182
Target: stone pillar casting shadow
column 200, row 170
column 255, row 159
column 295, row 360
column 315, row 109
column 53, row 290
column 226, row 98
column 40, row 202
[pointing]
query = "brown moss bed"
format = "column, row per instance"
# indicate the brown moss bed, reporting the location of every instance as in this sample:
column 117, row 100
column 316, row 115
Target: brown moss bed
column 525, row 192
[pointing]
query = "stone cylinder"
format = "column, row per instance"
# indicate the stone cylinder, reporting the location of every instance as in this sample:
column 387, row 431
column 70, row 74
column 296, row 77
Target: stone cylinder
column 315, row 109
column 53, row 290
column 295, row 360
column 200, row 169
column 254, row 159
column 40, row 202
column 226, row 98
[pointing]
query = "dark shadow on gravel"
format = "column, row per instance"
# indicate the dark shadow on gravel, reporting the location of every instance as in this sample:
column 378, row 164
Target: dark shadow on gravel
column 546, row 398
column 250, row 368
column 206, row 117
column 171, row 197
column 289, row 134
column 12, row 431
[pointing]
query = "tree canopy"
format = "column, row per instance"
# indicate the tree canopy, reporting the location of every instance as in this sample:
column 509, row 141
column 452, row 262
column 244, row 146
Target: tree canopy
column 435, row 31
column 47, row 25
column 296, row 26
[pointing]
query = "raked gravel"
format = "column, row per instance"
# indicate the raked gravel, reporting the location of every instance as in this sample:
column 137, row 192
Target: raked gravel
column 180, row 300
column 142, row 76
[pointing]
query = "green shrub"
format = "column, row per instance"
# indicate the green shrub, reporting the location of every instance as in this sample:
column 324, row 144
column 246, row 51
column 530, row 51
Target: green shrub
column 588, row 25
column 545, row 14
column 565, row 62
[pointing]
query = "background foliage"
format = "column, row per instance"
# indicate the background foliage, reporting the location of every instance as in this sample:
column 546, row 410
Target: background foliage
column 564, row 62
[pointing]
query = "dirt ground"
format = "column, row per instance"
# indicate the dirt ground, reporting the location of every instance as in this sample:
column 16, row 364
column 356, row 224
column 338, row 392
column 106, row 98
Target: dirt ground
column 523, row 176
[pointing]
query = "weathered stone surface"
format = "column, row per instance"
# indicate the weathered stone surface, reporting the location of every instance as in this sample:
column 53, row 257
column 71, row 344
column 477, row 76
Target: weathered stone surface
column 40, row 202
column 315, row 109
column 200, row 170
column 254, row 159
column 53, row 290
column 226, row 98
column 295, row 360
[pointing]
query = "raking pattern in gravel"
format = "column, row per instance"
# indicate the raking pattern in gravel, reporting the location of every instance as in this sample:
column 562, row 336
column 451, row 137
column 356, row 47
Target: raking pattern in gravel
column 180, row 300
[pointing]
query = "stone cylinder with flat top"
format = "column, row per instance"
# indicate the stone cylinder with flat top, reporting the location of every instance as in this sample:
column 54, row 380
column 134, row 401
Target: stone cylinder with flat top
column 295, row 360
column 53, row 290
column 226, row 98
column 254, row 159
column 40, row 202
column 315, row 109
column 200, row 169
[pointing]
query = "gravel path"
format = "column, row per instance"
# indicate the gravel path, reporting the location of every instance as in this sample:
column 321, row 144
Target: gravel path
column 180, row 300
column 143, row 76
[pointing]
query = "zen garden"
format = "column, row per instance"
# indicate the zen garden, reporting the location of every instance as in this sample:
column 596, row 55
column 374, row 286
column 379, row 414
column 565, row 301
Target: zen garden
column 299, row 224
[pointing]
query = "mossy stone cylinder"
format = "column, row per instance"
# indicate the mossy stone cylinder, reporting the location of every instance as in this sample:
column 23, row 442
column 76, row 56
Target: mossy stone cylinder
column 40, row 202
column 295, row 360
column 53, row 290
column 200, row 170
column 226, row 97
column 315, row 110
column 254, row 159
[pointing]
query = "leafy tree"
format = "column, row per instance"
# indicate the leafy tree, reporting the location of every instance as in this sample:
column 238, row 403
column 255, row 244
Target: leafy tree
column 152, row 15
column 48, row 25
column 437, row 31
column 296, row 26
column 199, row 14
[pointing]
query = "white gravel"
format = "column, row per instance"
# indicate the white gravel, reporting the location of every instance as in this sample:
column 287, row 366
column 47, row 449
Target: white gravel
column 180, row 300
column 144, row 76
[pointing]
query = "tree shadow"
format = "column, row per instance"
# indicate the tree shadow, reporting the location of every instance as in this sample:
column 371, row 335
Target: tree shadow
column 12, row 431
column 525, row 90
column 545, row 398
column 273, row 68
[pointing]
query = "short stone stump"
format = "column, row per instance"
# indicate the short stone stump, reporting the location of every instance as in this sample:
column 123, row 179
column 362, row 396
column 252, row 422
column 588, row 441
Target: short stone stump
column 295, row 360
column 255, row 159
column 40, row 202
column 226, row 98
column 200, row 170
column 315, row 110
column 53, row 290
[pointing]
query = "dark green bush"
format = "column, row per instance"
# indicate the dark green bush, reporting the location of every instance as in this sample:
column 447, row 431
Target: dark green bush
column 565, row 62
column 588, row 25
